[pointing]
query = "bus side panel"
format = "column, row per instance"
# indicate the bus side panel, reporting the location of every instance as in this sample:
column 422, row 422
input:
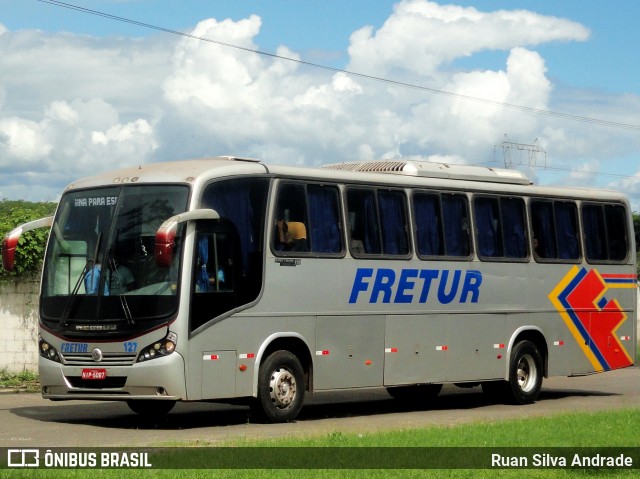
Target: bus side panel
column 411, row 350
column 218, row 374
column 597, row 306
column 215, row 370
column 477, row 346
column 350, row 352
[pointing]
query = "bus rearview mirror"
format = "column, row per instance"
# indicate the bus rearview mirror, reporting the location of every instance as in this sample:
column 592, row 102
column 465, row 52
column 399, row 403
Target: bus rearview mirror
column 166, row 234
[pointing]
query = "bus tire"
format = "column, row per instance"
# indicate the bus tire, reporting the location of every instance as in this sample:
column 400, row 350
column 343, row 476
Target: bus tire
column 525, row 373
column 150, row 407
column 281, row 388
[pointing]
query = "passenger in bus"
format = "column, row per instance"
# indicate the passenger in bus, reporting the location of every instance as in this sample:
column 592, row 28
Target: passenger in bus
column 292, row 235
column 357, row 246
column 92, row 278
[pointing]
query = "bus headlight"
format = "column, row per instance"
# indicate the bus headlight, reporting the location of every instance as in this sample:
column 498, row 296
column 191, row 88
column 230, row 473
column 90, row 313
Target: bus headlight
column 161, row 348
column 47, row 351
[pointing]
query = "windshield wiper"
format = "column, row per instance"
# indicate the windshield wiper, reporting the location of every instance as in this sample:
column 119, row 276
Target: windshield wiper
column 123, row 299
column 89, row 265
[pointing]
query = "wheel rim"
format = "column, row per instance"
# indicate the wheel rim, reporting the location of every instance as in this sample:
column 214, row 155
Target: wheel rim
column 282, row 387
column 527, row 373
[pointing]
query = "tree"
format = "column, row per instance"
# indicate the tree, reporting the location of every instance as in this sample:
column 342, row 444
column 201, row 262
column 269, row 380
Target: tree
column 636, row 228
column 30, row 250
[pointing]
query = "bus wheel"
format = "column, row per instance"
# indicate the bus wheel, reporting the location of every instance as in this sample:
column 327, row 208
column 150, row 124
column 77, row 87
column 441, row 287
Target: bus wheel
column 525, row 373
column 280, row 388
column 150, row 407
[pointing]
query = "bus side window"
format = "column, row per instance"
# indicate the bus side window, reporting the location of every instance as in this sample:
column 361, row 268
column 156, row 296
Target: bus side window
column 500, row 227
column 488, row 227
column 567, row 230
column 442, row 225
column 214, row 263
column 324, row 218
column 363, row 221
column 555, row 230
column 514, row 233
column 605, row 232
column 429, row 229
column 455, row 214
column 543, row 225
column 393, row 220
column 616, row 232
column 378, row 222
column 291, row 219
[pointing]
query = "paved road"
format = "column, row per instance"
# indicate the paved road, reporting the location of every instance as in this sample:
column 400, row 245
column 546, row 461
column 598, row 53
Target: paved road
column 27, row 420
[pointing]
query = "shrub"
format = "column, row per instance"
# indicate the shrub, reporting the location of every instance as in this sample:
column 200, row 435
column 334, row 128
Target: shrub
column 30, row 250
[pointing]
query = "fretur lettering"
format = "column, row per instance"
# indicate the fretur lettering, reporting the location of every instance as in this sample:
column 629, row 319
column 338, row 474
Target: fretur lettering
column 385, row 285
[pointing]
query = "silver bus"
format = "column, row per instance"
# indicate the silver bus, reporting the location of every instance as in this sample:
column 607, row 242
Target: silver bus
column 226, row 279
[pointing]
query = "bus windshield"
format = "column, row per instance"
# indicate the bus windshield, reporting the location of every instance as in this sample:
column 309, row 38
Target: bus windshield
column 100, row 259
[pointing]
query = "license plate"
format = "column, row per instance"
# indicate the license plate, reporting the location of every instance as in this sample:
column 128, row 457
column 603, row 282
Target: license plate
column 94, row 374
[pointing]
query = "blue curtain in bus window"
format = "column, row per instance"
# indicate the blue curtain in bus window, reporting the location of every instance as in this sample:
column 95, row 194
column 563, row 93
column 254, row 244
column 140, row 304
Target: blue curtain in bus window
column 202, row 275
column 456, row 225
column 594, row 232
column 426, row 209
column 324, row 219
column 513, row 228
column 543, row 229
column 616, row 232
column 393, row 222
column 369, row 219
column 566, row 230
column 232, row 201
column 488, row 227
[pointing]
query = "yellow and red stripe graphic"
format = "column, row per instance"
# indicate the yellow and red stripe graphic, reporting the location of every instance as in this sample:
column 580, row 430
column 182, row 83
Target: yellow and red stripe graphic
column 592, row 318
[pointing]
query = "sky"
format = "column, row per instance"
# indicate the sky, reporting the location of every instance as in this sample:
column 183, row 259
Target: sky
column 309, row 83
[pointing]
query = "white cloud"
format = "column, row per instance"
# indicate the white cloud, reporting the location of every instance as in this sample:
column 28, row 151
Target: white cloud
column 212, row 74
column 23, row 139
column 420, row 36
column 74, row 105
column 61, row 111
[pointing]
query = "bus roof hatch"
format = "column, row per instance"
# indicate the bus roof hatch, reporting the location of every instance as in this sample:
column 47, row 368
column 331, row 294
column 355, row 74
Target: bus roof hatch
column 436, row 170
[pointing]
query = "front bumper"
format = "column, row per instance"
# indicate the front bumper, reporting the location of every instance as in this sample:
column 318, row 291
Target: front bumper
column 161, row 378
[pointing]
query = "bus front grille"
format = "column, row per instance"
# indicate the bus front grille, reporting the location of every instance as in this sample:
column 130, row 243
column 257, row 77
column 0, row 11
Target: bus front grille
column 108, row 359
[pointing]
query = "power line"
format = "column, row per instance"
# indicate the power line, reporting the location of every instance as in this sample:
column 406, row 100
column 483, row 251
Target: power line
column 586, row 172
column 511, row 106
column 568, row 170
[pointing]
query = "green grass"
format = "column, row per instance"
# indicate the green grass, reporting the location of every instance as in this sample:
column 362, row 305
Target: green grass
column 19, row 380
column 604, row 429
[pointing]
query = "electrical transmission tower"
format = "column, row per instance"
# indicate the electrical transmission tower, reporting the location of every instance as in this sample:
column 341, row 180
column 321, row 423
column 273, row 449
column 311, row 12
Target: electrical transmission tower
column 532, row 152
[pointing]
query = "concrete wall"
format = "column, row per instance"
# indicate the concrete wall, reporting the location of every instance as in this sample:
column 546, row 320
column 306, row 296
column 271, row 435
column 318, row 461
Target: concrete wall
column 19, row 326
